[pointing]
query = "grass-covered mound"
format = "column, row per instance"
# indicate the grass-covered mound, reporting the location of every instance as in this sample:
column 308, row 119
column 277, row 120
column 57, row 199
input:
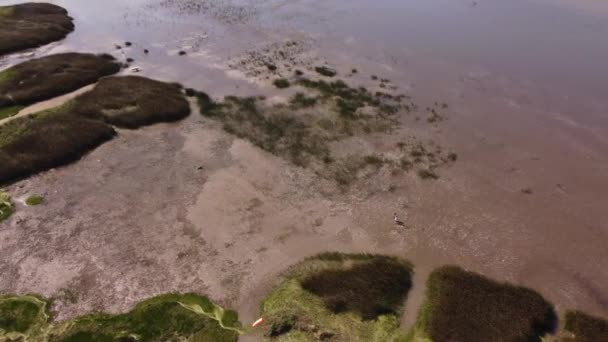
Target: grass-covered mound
column 6, row 206
column 465, row 306
column 133, row 101
column 44, row 78
column 342, row 297
column 170, row 317
column 21, row 316
column 31, row 25
column 47, row 139
column 585, row 328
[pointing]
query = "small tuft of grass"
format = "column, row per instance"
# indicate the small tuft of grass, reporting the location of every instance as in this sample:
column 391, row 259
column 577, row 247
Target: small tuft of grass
column 374, row 77
column 326, row 71
column 298, row 72
column 300, row 100
column 585, row 328
column 271, row 67
column 281, row 83
column 465, row 306
column 34, row 200
column 527, row 191
column 6, row 206
column 427, row 174
column 452, row 156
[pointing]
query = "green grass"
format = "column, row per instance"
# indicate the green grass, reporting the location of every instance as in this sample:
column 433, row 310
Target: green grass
column 7, row 112
column 21, row 316
column 464, row 306
column 161, row 318
column 372, row 286
column 168, row 317
column 585, row 328
column 300, row 100
column 281, row 83
column 34, row 200
column 6, row 206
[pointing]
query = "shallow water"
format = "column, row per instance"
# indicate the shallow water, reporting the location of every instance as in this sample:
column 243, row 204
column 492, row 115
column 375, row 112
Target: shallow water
column 526, row 83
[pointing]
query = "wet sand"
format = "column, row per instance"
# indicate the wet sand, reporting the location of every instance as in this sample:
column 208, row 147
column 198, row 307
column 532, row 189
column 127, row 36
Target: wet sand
column 136, row 217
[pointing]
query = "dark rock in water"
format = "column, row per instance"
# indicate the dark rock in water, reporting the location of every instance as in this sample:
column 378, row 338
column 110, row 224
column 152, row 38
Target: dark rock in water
column 130, row 60
column 326, row 71
column 146, row 51
column 182, row 53
column 271, row 67
column 128, row 44
column 299, row 72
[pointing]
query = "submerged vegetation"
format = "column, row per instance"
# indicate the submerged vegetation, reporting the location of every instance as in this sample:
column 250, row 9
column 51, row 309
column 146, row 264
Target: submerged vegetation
column 346, row 297
column 304, row 130
column 44, row 78
column 169, row 317
column 464, row 306
column 31, row 25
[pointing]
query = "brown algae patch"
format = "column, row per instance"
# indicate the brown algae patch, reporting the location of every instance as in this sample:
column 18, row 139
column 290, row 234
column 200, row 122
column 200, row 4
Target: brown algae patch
column 31, row 25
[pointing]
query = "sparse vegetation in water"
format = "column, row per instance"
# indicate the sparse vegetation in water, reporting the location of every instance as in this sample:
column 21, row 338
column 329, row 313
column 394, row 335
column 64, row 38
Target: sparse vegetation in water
column 44, row 78
column 300, row 100
column 6, row 206
column 584, row 327
column 326, row 71
column 281, row 83
column 34, row 200
column 346, row 297
column 30, row 25
column 465, row 306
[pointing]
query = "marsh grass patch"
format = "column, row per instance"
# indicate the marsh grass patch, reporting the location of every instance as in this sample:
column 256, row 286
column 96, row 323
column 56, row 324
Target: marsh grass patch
column 47, row 77
column 370, row 289
column 47, row 139
column 6, row 206
column 302, row 306
column 161, row 318
column 31, row 25
column 34, row 200
column 465, row 306
column 132, row 102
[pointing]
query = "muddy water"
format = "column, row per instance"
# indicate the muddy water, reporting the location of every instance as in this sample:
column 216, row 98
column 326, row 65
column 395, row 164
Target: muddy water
column 526, row 83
